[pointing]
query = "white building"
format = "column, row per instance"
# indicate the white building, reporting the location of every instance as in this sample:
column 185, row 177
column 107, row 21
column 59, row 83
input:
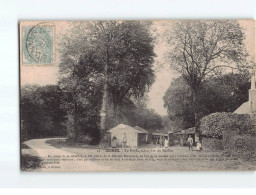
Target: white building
column 135, row 136
column 250, row 106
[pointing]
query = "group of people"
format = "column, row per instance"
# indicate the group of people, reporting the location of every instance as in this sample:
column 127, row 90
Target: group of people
column 114, row 141
column 163, row 142
column 190, row 142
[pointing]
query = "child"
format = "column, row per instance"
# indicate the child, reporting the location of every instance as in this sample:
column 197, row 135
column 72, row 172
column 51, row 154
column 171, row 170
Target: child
column 166, row 143
column 198, row 146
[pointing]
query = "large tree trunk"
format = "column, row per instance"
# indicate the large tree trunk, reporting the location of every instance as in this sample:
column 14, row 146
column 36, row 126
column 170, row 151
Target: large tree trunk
column 76, row 133
column 115, row 111
column 104, row 106
column 195, row 94
column 103, row 112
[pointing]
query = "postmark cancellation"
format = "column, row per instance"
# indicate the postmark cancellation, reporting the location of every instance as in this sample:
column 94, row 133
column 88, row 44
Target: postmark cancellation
column 37, row 44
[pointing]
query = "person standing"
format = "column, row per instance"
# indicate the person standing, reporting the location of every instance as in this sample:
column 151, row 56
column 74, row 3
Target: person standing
column 114, row 142
column 124, row 144
column 166, row 143
column 161, row 141
column 105, row 141
column 190, row 143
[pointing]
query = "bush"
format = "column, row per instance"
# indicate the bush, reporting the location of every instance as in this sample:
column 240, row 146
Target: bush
column 242, row 146
column 218, row 125
column 85, row 139
column 212, row 143
column 30, row 162
column 229, row 131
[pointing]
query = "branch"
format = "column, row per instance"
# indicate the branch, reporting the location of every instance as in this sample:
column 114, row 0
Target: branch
column 220, row 66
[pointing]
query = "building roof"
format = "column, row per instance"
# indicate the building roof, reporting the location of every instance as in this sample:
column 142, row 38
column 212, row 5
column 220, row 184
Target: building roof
column 243, row 109
column 124, row 128
column 141, row 129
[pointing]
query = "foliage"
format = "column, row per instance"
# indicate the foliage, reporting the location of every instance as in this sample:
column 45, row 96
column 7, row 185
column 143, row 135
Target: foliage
column 84, row 139
column 170, row 125
column 217, row 94
column 222, row 125
column 30, row 162
column 225, row 93
column 205, row 47
column 232, row 132
column 41, row 114
column 212, row 143
column 177, row 101
column 131, row 114
column 146, row 119
column 119, row 53
column 242, row 146
column 198, row 45
column 82, row 114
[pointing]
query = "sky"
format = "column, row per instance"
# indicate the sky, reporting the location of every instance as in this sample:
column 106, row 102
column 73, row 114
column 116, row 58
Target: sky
column 43, row 75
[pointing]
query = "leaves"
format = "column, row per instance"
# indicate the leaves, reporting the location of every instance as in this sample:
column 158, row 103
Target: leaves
column 41, row 113
column 201, row 48
column 217, row 94
column 119, row 53
column 218, row 125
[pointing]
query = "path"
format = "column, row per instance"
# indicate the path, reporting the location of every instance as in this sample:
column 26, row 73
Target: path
column 44, row 150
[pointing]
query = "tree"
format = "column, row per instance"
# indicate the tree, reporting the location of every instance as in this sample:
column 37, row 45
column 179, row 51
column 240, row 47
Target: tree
column 114, row 57
column 177, row 101
column 41, row 113
column 200, row 48
column 142, row 117
column 217, row 94
column 224, row 93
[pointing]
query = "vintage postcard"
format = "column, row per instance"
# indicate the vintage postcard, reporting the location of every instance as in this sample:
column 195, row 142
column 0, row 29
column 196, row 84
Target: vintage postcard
column 137, row 95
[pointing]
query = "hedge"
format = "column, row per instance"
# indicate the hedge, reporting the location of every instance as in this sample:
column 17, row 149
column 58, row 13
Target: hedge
column 218, row 125
column 212, row 143
column 229, row 131
column 83, row 139
column 242, row 146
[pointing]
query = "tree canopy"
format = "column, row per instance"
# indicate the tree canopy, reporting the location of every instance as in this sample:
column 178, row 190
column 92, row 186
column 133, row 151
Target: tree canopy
column 218, row 94
column 201, row 48
column 41, row 112
column 106, row 62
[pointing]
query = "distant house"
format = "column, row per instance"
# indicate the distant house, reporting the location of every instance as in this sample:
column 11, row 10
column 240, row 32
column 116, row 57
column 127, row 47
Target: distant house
column 136, row 136
column 143, row 135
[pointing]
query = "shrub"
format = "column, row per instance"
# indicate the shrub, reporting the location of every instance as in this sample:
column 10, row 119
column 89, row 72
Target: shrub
column 229, row 131
column 30, row 162
column 218, row 125
column 242, row 146
column 212, row 143
column 85, row 139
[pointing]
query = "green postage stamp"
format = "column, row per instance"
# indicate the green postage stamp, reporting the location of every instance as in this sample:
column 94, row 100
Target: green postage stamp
column 38, row 44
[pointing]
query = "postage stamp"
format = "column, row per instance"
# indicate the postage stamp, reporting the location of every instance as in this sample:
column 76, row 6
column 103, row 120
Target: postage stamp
column 38, row 44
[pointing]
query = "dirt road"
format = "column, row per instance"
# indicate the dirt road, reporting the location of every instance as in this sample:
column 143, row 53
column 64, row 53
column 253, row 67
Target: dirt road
column 47, row 152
